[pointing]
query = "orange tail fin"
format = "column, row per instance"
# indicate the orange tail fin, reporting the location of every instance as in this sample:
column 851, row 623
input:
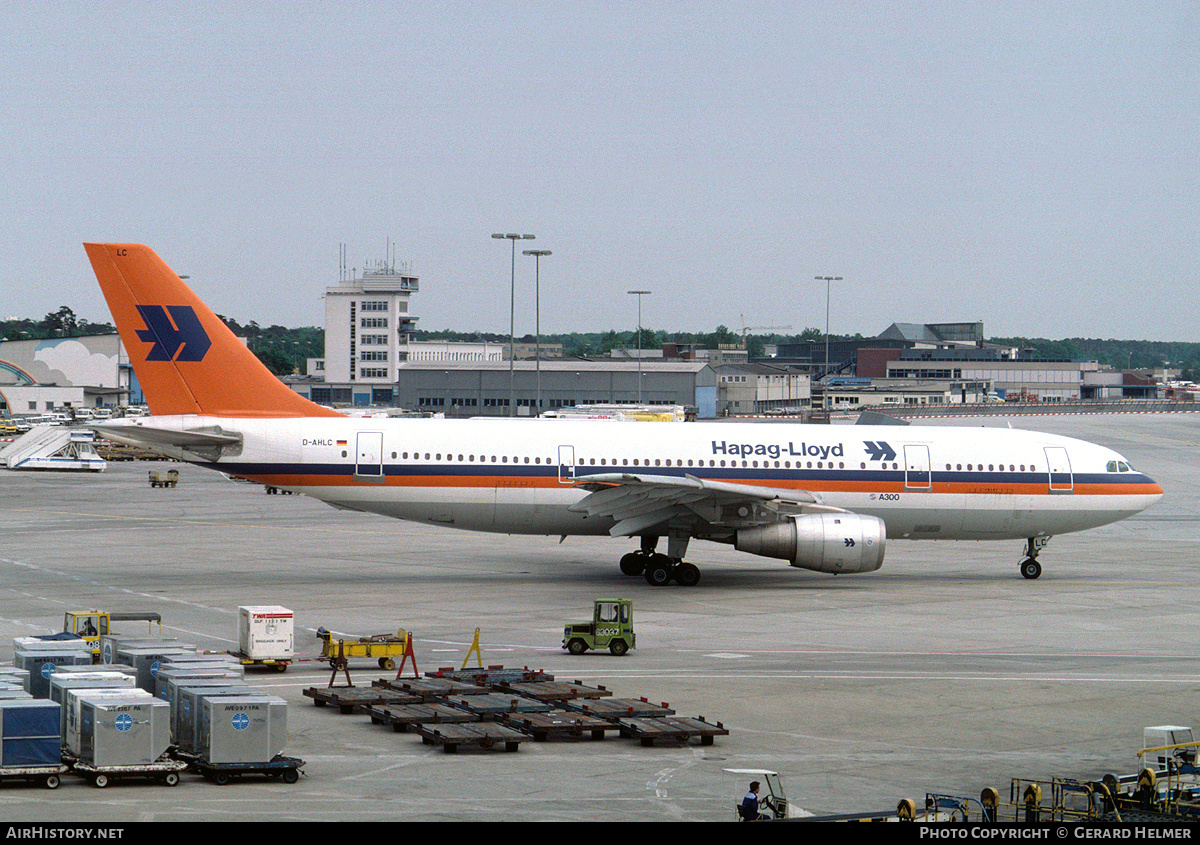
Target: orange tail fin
column 185, row 359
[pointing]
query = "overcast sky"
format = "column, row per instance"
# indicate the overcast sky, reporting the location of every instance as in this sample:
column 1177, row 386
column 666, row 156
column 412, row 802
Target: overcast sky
column 1032, row 165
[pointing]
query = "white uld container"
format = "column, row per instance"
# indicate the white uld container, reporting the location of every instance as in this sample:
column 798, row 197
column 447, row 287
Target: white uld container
column 265, row 632
column 39, row 644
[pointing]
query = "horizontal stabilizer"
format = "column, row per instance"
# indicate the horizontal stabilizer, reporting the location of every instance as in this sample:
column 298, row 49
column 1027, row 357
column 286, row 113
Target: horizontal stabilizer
column 135, row 434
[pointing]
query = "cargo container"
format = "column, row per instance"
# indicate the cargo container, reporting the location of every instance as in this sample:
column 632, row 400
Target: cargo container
column 169, row 671
column 187, row 708
column 122, row 729
column 109, row 644
column 41, row 664
column 30, row 747
column 146, row 659
column 72, row 707
column 242, row 729
column 61, row 682
column 12, row 675
column 265, row 632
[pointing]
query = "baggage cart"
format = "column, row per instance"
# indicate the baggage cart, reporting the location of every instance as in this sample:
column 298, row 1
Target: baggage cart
column 165, row 771
column 384, row 648
column 49, row 776
column 286, row 769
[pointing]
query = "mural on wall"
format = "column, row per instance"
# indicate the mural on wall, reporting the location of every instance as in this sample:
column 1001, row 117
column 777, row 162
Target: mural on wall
column 70, row 361
column 90, row 361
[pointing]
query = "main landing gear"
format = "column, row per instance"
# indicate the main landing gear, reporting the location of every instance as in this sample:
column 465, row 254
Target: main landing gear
column 659, row 569
column 1030, row 567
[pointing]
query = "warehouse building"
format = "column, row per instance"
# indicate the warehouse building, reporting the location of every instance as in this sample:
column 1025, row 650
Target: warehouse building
column 501, row 389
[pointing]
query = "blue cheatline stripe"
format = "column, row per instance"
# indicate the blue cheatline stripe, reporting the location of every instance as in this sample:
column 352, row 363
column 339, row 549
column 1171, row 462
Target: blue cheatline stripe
column 769, row 475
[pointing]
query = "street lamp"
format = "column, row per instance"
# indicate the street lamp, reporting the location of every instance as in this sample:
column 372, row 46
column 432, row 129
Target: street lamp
column 825, row 384
column 512, row 309
column 537, row 318
column 639, row 294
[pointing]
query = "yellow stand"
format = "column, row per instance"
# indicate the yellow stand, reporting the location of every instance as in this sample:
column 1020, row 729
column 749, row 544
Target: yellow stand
column 474, row 648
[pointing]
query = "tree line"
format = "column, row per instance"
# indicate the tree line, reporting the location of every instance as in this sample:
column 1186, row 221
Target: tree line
column 286, row 350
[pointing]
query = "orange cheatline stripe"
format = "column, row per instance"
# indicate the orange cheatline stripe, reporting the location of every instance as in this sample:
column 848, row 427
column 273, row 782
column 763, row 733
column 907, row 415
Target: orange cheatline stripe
column 552, row 483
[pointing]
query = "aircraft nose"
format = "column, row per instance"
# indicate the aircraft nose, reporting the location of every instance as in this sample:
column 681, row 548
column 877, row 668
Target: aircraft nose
column 1155, row 489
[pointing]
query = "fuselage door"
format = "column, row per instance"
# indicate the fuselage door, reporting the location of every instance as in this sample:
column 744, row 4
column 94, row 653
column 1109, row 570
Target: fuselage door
column 566, row 464
column 916, row 469
column 1059, row 465
column 368, row 457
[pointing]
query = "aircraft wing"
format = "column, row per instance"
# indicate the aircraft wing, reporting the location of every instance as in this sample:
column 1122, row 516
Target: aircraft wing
column 639, row 503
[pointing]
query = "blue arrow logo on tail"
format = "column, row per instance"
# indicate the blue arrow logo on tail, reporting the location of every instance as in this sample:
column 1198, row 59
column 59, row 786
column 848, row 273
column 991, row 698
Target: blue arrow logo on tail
column 168, row 334
column 880, row 451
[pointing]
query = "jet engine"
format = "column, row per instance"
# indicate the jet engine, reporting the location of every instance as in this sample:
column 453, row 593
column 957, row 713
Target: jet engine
column 825, row 542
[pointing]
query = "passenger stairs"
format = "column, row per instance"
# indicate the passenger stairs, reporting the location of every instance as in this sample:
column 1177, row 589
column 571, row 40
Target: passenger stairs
column 53, row 447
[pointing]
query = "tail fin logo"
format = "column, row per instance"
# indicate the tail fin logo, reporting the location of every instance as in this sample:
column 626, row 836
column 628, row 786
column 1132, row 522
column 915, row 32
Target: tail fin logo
column 181, row 329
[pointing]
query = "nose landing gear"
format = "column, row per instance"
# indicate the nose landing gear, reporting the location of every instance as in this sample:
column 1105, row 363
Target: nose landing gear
column 1030, row 568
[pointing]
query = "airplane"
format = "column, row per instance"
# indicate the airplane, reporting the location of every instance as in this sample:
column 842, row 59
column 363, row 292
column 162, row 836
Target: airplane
column 823, row 498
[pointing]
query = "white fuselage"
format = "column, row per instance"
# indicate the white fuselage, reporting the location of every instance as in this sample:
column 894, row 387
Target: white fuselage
column 519, row 476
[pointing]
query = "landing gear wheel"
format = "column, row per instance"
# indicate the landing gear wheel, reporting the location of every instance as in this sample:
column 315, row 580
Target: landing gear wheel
column 1030, row 568
column 577, row 646
column 687, row 575
column 633, row 563
column 618, row 647
column 658, row 573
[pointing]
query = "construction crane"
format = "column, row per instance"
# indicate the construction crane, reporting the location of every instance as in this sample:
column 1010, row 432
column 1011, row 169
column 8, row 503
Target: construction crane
column 747, row 329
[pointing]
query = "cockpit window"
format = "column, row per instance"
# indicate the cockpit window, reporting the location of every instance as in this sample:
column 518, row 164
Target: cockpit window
column 1123, row 467
column 1112, row 466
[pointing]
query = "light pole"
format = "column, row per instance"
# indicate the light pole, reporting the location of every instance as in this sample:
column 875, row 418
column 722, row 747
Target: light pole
column 824, row 383
column 537, row 318
column 639, row 294
column 512, row 310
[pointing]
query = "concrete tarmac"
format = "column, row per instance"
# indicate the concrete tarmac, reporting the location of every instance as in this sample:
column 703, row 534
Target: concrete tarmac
column 946, row 671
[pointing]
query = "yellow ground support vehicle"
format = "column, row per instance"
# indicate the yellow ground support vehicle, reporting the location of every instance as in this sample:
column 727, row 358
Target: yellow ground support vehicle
column 383, row 647
column 92, row 624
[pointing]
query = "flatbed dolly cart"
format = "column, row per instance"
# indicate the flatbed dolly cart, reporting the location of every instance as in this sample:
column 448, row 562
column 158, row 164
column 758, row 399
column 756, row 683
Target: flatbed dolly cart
column 279, row 665
column 48, row 776
column 166, row 771
column 287, row 769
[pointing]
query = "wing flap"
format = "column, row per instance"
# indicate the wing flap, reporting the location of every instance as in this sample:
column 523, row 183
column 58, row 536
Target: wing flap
column 638, row 503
